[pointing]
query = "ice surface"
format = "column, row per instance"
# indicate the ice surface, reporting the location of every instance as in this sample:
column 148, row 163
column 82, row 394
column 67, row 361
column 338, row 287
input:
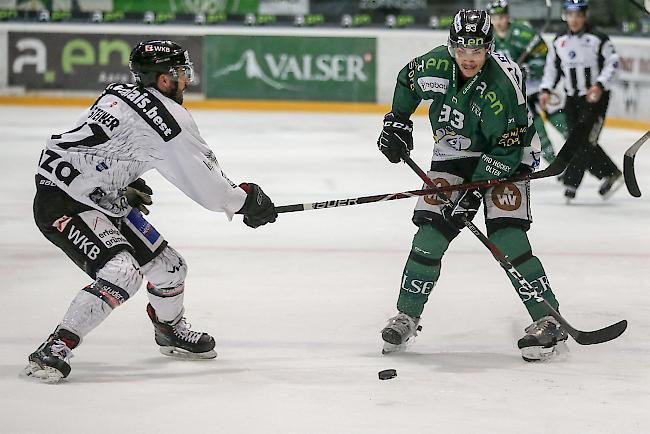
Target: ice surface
column 296, row 307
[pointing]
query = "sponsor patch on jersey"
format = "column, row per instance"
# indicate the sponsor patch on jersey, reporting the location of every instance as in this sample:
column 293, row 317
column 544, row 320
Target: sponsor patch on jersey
column 433, row 199
column 150, row 108
column 433, row 84
column 143, row 229
column 53, row 164
column 506, row 197
column 103, row 228
column 514, row 137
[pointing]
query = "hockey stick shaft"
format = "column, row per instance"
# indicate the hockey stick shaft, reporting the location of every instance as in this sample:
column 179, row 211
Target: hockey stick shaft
column 629, row 173
column 583, row 338
column 538, row 37
column 645, row 7
column 555, row 168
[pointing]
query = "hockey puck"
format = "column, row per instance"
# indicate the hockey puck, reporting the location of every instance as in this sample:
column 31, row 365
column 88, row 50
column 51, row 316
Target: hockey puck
column 387, row 374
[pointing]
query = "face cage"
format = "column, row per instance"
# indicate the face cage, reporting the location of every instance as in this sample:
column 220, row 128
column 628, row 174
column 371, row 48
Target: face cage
column 451, row 46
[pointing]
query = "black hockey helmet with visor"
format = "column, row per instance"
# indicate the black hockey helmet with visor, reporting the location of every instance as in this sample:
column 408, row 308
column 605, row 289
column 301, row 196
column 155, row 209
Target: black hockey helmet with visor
column 151, row 58
column 471, row 29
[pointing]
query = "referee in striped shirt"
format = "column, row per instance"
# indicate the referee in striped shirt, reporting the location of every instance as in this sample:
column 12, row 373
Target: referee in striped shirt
column 585, row 58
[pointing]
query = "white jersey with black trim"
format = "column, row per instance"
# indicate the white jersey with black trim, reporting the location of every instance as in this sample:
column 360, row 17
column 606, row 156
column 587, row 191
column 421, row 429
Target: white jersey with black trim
column 128, row 131
column 583, row 59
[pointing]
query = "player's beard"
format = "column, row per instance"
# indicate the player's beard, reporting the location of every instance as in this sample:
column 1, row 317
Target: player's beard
column 175, row 93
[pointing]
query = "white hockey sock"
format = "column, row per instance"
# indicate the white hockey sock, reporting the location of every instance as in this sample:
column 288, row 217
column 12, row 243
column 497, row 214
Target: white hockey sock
column 168, row 309
column 85, row 313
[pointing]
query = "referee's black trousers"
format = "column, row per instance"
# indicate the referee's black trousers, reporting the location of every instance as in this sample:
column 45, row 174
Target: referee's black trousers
column 585, row 121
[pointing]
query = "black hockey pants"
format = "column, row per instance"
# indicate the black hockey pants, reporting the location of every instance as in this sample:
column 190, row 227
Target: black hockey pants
column 585, row 121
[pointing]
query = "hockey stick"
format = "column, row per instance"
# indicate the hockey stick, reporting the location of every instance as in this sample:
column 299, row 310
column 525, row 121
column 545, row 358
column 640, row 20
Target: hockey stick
column 538, row 36
column 628, row 166
column 645, row 7
column 582, row 337
column 555, row 168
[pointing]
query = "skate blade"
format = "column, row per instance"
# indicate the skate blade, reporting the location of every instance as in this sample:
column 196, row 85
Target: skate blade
column 540, row 354
column 392, row 348
column 46, row 374
column 180, row 353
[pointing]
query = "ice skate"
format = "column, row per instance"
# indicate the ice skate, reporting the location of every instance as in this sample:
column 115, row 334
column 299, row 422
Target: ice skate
column 398, row 332
column 570, row 194
column 49, row 363
column 179, row 340
column 610, row 185
column 545, row 339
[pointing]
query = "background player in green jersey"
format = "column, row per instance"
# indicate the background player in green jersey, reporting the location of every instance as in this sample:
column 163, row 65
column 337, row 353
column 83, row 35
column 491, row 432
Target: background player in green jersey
column 482, row 130
column 521, row 43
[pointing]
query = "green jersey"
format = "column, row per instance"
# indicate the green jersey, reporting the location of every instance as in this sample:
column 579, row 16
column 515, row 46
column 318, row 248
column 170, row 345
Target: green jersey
column 514, row 44
column 484, row 118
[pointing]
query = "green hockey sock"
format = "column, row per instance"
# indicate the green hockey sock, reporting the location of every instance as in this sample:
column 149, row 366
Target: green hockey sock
column 513, row 242
column 422, row 270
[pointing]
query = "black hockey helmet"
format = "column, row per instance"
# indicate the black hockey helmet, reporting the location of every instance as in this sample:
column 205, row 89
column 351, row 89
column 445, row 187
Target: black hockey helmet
column 575, row 5
column 151, row 58
column 497, row 7
column 471, row 29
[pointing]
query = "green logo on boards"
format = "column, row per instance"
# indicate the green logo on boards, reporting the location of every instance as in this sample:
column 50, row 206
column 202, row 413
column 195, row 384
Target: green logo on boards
column 81, row 61
column 291, row 68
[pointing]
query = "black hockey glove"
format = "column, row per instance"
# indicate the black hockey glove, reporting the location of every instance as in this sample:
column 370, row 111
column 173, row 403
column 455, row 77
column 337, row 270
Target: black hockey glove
column 138, row 194
column 467, row 205
column 258, row 209
column 396, row 138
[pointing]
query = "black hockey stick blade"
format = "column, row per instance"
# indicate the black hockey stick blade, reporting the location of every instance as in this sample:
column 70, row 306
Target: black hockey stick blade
column 628, row 166
column 587, row 337
column 599, row 336
column 560, row 162
column 630, row 178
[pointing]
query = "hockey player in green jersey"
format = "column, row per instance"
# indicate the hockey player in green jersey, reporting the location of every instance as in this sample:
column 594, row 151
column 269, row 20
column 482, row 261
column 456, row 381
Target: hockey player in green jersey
column 482, row 130
column 525, row 46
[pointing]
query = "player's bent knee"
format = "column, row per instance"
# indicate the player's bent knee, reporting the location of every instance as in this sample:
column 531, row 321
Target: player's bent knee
column 118, row 280
column 166, row 273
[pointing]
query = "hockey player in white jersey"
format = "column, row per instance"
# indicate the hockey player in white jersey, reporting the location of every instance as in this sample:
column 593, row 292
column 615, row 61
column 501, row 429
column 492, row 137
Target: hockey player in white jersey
column 90, row 198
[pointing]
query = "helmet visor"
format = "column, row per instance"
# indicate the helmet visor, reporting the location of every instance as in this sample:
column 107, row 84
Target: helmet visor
column 182, row 72
column 470, row 43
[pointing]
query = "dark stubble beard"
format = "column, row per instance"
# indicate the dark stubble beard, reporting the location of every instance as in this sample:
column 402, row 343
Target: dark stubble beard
column 174, row 93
